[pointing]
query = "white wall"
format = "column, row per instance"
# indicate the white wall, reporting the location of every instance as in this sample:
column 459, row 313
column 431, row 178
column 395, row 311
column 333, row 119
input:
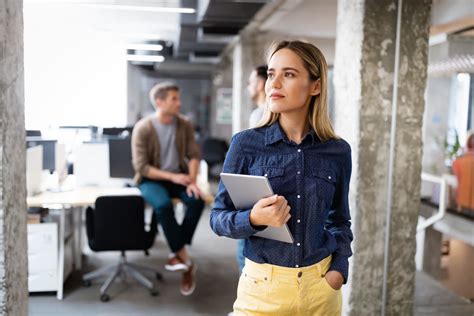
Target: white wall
column 74, row 74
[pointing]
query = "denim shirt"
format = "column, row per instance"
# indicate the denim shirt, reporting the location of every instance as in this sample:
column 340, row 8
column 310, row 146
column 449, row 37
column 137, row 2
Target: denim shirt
column 314, row 178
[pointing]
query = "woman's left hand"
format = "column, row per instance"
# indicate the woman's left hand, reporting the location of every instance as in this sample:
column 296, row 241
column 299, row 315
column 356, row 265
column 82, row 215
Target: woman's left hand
column 334, row 279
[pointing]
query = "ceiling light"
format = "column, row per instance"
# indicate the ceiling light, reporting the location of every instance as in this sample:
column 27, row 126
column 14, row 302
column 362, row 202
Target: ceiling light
column 154, row 47
column 114, row 6
column 153, row 58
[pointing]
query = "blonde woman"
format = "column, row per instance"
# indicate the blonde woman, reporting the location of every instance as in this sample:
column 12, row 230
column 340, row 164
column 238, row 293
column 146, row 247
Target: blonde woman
column 309, row 168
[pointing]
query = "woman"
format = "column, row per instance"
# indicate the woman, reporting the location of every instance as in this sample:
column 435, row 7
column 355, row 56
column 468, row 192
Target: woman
column 309, row 169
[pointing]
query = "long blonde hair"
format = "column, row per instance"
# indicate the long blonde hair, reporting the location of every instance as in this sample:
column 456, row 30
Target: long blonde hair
column 315, row 64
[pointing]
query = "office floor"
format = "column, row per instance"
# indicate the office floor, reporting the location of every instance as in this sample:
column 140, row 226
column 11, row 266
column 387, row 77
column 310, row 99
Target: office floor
column 214, row 295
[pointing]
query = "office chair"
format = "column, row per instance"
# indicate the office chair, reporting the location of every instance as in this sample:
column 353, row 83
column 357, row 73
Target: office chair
column 213, row 152
column 117, row 223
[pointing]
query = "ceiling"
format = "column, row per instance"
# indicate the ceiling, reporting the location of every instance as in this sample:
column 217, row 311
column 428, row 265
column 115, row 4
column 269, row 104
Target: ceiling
column 198, row 37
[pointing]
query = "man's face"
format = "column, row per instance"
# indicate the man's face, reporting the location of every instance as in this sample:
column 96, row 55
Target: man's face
column 171, row 104
column 255, row 85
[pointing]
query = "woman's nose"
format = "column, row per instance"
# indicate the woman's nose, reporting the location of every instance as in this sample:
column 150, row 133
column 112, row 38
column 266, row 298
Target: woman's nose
column 275, row 82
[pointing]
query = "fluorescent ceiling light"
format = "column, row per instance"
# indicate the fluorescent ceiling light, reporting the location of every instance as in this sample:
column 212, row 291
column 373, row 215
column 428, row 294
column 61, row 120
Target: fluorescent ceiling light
column 141, row 8
column 116, row 6
column 152, row 47
column 152, row 58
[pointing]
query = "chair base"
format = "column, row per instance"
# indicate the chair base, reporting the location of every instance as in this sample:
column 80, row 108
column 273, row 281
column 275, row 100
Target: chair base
column 122, row 269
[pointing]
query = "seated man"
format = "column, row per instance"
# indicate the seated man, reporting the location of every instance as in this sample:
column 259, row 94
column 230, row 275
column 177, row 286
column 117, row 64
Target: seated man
column 166, row 161
column 463, row 168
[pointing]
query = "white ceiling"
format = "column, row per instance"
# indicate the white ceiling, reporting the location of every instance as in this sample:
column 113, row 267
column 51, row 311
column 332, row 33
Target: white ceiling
column 309, row 18
column 73, row 16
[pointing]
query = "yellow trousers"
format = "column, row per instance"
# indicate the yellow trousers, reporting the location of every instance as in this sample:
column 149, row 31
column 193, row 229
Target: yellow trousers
column 266, row 289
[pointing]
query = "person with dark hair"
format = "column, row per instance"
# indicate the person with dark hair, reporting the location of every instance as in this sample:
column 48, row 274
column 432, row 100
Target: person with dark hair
column 165, row 157
column 309, row 169
column 256, row 90
column 463, row 168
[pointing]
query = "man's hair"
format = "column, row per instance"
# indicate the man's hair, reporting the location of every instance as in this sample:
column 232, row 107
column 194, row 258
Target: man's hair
column 262, row 71
column 160, row 91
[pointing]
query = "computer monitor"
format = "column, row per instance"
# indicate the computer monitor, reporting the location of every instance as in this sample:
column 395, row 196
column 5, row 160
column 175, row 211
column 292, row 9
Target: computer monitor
column 117, row 131
column 120, row 158
column 49, row 151
column 31, row 132
column 34, row 169
column 91, row 164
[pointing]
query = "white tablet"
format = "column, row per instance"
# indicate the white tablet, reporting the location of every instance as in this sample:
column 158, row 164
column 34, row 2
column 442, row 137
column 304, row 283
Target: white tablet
column 245, row 191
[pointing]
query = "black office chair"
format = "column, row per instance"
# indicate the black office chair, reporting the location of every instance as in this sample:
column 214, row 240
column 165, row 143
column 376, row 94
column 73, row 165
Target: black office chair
column 118, row 224
column 213, row 152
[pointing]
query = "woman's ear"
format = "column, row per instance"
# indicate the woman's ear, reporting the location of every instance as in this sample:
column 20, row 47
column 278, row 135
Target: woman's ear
column 316, row 87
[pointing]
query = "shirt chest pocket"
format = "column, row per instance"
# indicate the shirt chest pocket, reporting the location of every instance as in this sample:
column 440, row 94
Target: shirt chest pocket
column 325, row 180
column 274, row 175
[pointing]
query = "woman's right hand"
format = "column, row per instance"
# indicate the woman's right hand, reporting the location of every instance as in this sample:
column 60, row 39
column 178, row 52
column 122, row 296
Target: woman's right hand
column 271, row 211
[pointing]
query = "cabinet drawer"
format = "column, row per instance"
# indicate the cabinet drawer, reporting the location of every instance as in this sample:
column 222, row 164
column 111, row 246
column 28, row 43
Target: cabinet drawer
column 42, row 237
column 42, row 281
column 42, row 261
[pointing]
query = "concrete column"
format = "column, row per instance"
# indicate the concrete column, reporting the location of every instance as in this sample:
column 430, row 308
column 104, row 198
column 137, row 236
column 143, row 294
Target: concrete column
column 13, row 253
column 386, row 147
column 243, row 64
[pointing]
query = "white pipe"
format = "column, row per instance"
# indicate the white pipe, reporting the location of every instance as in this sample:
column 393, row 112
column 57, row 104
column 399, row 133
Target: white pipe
column 442, row 201
column 393, row 131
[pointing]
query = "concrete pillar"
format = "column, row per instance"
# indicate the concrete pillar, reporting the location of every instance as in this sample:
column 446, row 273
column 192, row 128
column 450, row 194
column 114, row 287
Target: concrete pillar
column 13, row 254
column 243, row 64
column 386, row 162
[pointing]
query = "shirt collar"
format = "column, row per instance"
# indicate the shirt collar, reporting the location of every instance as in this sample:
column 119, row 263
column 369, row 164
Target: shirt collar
column 274, row 133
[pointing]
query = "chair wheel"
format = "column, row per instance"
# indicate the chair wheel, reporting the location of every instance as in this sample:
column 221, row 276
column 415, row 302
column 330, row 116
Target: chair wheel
column 86, row 283
column 159, row 276
column 104, row 298
column 154, row 292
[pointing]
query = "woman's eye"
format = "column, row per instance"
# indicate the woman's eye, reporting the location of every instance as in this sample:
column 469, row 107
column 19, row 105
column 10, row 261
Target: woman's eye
column 289, row 75
column 270, row 75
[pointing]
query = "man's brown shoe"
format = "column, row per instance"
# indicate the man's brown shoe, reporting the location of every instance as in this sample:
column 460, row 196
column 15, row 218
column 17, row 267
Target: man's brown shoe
column 188, row 282
column 175, row 264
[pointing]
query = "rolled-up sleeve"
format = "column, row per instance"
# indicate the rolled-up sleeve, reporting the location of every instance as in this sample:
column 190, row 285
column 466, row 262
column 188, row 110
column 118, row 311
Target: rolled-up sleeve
column 225, row 220
column 338, row 222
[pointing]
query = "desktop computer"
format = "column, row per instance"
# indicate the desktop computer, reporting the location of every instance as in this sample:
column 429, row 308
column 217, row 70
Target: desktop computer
column 91, row 165
column 34, row 169
column 49, row 151
column 120, row 158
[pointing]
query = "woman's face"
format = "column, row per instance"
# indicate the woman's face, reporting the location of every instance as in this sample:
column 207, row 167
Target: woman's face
column 288, row 87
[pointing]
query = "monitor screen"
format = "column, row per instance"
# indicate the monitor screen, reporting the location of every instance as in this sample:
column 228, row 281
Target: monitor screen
column 120, row 158
column 49, row 151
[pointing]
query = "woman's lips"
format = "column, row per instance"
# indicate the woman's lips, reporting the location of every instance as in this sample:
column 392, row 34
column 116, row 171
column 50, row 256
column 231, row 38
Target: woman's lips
column 276, row 96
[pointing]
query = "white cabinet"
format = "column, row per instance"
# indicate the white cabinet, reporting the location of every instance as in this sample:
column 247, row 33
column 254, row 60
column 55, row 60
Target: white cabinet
column 42, row 257
column 50, row 257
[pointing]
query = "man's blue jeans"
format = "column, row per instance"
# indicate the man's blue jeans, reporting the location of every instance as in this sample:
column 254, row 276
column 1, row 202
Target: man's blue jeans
column 159, row 194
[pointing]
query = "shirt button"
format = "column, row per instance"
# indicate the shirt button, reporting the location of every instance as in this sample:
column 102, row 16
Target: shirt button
column 298, row 196
column 298, row 172
column 299, row 150
column 300, row 274
column 329, row 177
column 298, row 244
column 297, row 266
column 298, row 221
column 266, row 175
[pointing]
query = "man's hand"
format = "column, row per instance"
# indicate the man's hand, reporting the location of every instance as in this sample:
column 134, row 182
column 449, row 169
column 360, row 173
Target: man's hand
column 272, row 211
column 193, row 191
column 334, row 279
column 181, row 178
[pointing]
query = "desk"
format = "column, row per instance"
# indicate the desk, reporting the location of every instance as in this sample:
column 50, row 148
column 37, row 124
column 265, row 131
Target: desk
column 75, row 200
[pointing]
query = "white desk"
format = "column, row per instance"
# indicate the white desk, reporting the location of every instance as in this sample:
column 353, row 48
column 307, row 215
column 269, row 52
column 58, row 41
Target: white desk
column 76, row 200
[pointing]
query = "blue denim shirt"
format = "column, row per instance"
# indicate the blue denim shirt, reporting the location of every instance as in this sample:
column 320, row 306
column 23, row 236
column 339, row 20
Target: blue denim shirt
column 314, row 178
